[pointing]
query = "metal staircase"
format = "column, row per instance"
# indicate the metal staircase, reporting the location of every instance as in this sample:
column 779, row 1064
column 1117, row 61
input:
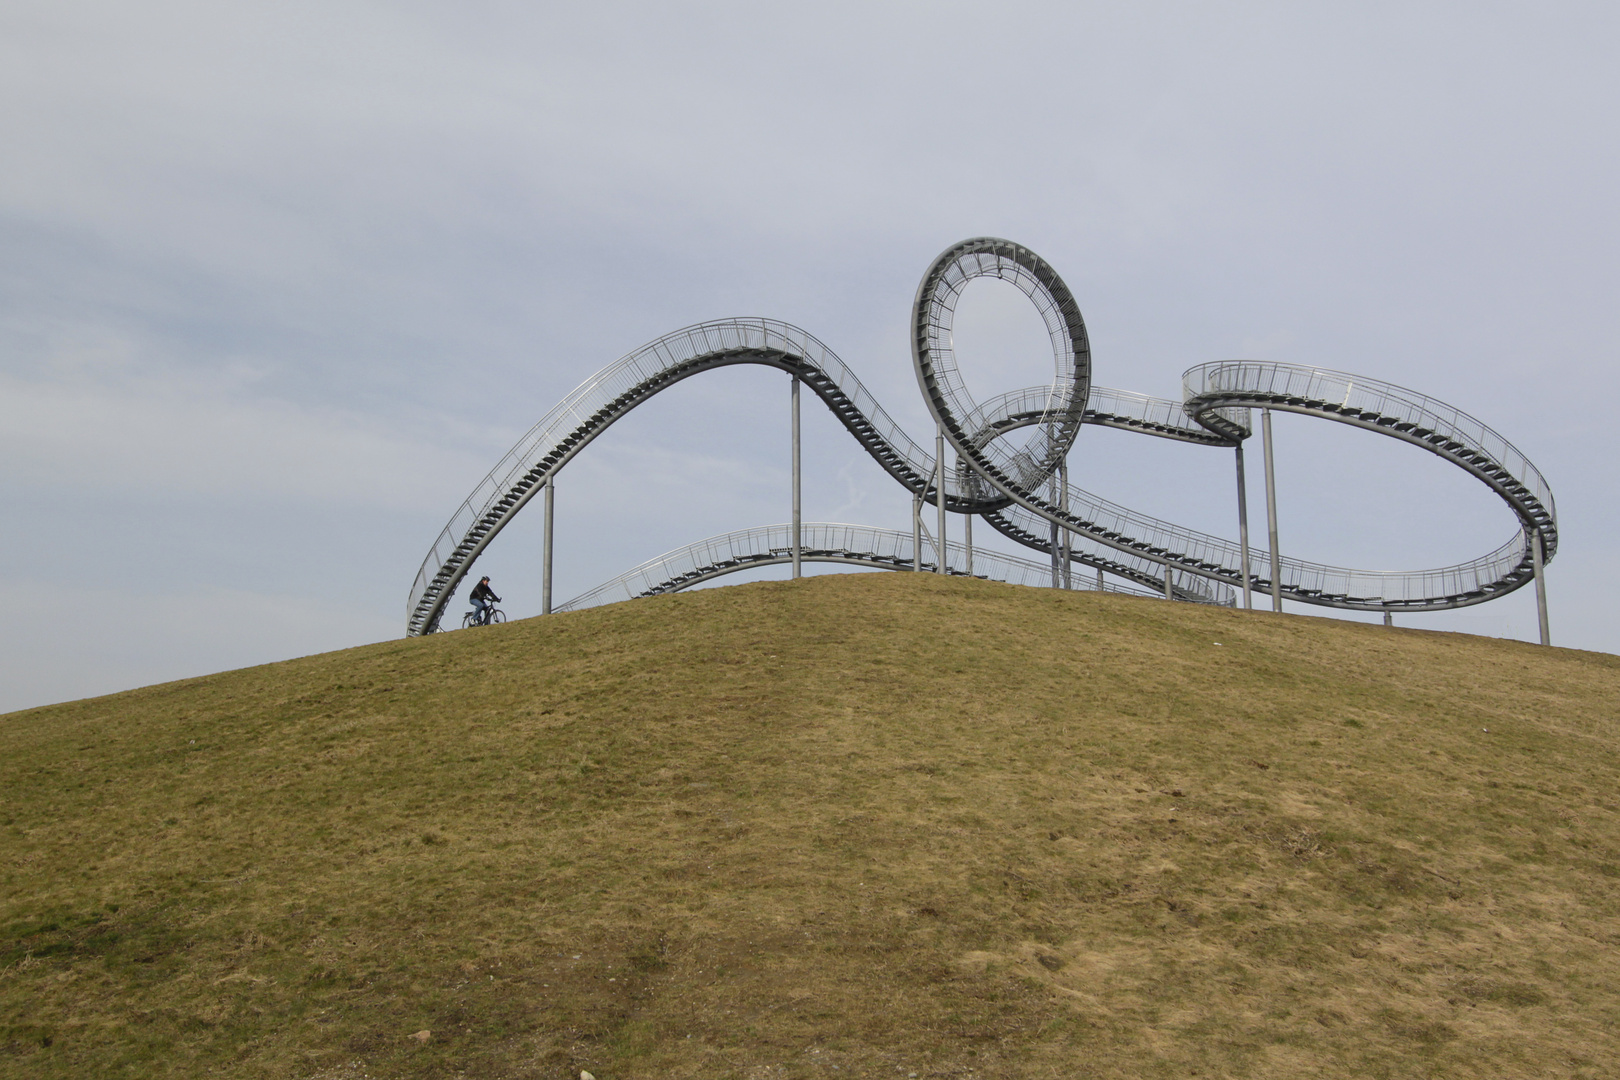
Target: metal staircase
column 824, row 542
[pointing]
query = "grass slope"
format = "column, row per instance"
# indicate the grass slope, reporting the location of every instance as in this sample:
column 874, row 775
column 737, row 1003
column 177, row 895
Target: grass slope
column 873, row 825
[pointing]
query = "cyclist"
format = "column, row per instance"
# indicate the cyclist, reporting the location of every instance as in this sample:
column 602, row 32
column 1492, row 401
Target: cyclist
column 482, row 594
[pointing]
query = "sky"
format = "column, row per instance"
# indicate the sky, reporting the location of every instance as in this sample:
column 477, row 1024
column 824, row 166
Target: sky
column 279, row 283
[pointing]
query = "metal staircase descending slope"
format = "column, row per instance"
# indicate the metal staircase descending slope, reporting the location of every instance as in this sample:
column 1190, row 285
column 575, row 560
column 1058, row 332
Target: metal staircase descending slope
column 824, row 542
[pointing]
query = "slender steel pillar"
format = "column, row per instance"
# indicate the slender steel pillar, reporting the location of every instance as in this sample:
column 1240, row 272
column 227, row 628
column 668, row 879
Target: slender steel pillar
column 939, row 493
column 1169, row 582
column 1271, row 512
column 1099, row 580
column 1052, row 545
column 1389, row 620
column 1243, row 530
column 798, row 538
column 1538, row 555
column 916, row 532
column 967, row 540
column 545, row 568
column 1063, row 504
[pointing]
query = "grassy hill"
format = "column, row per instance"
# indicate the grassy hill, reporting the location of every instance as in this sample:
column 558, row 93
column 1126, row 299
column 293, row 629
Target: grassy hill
column 873, row 825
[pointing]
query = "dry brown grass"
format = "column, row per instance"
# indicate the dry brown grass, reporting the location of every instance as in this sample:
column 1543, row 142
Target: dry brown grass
column 874, row 825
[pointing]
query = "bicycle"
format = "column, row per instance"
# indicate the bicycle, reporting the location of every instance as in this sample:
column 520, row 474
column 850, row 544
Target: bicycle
column 492, row 614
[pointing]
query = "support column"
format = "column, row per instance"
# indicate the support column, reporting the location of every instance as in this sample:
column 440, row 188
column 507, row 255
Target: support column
column 916, row 532
column 1169, row 582
column 1063, row 504
column 1271, row 512
column 1538, row 554
column 1057, row 573
column 545, row 568
column 798, row 539
column 939, row 493
column 1243, row 531
column 1100, row 580
column 1052, row 545
column 967, row 540
column 1389, row 620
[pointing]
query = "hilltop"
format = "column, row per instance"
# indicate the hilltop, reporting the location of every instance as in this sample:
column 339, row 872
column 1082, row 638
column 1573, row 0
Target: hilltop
column 864, row 825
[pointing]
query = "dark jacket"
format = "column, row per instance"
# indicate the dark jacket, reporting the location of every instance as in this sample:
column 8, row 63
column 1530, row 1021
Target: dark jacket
column 482, row 591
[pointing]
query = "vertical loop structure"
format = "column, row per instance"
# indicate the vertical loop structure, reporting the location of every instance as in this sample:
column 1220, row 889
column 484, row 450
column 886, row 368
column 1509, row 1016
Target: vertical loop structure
column 1052, row 415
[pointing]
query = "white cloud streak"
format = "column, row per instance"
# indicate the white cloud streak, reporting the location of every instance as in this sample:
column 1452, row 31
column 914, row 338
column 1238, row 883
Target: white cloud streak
column 165, row 438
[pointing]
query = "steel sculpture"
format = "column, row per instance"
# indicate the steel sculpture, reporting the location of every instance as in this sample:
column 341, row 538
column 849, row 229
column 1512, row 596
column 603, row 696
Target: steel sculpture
column 1011, row 463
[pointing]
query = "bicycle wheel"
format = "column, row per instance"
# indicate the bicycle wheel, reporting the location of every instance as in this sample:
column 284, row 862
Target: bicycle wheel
column 469, row 620
column 497, row 616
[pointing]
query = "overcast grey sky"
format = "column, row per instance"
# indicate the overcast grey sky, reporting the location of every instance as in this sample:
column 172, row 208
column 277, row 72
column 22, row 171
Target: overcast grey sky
column 280, row 282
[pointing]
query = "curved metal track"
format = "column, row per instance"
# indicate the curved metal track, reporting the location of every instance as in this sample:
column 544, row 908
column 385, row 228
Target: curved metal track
column 824, row 542
column 1011, row 481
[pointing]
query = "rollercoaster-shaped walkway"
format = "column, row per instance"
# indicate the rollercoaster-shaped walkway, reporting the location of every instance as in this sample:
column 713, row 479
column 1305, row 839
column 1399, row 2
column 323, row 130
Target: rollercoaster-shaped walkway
column 1010, row 459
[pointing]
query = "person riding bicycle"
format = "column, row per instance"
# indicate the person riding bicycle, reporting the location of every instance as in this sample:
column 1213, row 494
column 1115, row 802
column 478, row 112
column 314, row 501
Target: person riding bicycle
column 481, row 595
